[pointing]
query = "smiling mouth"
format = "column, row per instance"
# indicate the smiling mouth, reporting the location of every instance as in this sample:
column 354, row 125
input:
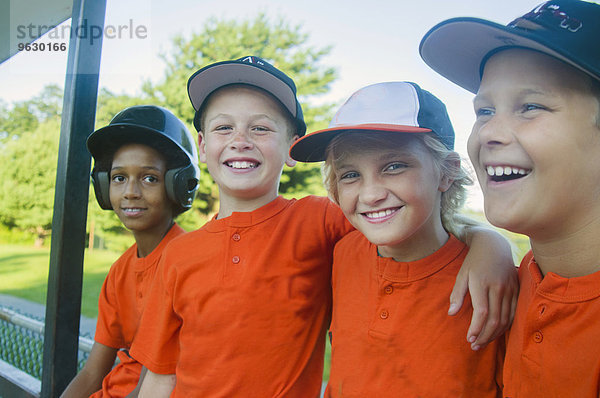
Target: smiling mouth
column 132, row 210
column 243, row 164
column 506, row 173
column 380, row 214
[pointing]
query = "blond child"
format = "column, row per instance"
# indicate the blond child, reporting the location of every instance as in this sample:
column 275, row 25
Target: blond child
column 146, row 171
column 535, row 146
column 248, row 316
column 390, row 165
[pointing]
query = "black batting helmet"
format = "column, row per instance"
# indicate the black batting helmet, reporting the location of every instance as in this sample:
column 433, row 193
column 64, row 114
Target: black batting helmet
column 159, row 129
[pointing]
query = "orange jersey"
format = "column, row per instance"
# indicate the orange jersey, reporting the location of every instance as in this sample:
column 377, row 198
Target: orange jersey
column 391, row 334
column 241, row 306
column 120, row 307
column 553, row 348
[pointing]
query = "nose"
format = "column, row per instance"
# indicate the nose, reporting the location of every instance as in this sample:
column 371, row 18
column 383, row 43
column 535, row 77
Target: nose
column 241, row 140
column 495, row 131
column 132, row 189
column 372, row 192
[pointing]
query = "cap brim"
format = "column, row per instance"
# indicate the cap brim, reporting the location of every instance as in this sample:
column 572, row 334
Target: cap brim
column 312, row 147
column 106, row 140
column 457, row 47
column 206, row 80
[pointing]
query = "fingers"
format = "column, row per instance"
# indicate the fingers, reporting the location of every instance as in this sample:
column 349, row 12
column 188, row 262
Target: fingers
column 461, row 287
column 480, row 301
column 502, row 301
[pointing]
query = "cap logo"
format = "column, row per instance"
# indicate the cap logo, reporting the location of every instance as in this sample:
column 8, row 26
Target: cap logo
column 253, row 60
column 547, row 16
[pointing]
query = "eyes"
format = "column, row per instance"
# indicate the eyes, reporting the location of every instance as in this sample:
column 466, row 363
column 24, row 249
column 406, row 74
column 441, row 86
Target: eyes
column 523, row 109
column 257, row 130
column 146, row 179
column 389, row 169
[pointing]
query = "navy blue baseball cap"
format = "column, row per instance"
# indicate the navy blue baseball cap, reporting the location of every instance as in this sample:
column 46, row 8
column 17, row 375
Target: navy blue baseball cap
column 401, row 107
column 249, row 70
column 568, row 30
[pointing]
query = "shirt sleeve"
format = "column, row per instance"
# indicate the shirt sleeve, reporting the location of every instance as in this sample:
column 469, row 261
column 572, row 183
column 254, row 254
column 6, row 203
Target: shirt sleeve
column 109, row 330
column 156, row 344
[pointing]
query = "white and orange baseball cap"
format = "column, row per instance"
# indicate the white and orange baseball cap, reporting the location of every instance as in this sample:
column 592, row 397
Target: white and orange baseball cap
column 401, row 107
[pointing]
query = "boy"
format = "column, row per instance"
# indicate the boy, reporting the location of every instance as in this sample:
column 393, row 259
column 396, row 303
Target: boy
column 248, row 317
column 145, row 170
column 390, row 166
column 535, row 146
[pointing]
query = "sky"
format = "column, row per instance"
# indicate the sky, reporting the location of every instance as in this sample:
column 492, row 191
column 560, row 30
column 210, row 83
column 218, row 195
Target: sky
column 372, row 41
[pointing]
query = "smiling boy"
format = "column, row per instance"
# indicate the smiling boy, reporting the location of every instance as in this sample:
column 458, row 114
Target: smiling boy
column 145, row 170
column 536, row 148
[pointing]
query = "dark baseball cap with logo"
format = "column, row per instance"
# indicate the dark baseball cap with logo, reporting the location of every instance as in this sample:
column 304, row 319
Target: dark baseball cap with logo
column 249, row 70
column 568, row 30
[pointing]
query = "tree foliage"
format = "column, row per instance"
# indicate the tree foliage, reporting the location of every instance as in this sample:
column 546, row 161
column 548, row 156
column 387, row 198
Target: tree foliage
column 29, row 130
column 27, row 180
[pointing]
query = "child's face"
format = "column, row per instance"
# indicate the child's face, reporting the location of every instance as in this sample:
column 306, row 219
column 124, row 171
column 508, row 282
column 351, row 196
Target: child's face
column 137, row 189
column 392, row 195
column 535, row 145
column 245, row 144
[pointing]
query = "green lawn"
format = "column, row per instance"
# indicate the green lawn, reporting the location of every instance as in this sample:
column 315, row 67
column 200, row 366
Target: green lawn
column 24, row 273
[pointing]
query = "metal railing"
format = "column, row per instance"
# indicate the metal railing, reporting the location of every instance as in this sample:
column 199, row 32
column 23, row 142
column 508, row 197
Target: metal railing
column 21, row 353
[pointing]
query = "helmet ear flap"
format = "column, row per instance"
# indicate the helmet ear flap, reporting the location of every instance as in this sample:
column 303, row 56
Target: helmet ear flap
column 101, row 184
column 181, row 186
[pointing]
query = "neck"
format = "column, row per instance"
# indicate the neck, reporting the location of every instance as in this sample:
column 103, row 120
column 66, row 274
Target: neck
column 147, row 241
column 417, row 246
column 229, row 204
column 571, row 255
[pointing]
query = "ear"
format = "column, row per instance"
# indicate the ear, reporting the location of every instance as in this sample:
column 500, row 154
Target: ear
column 201, row 147
column 452, row 162
column 288, row 160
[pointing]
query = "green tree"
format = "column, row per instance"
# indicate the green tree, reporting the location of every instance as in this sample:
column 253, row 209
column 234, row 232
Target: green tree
column 26, row 116
column 27, row 179
column 285, row 46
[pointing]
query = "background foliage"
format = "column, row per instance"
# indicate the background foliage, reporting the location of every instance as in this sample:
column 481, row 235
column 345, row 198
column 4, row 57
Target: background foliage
column 29, row 130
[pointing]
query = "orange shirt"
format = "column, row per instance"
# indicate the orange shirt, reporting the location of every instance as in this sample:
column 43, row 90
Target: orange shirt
column 242, row 305
column 554, row 344
column 120, row 307
column 391, row 335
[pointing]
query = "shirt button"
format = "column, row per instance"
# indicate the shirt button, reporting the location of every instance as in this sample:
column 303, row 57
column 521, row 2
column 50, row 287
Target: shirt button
column 388, row 289
column 236, row 237
column 384, row 314
column 538, row 337
column 235, row 259
column 542, row 309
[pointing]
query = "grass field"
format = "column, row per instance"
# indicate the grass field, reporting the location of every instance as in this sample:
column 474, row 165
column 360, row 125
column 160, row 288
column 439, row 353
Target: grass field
column 24, row 274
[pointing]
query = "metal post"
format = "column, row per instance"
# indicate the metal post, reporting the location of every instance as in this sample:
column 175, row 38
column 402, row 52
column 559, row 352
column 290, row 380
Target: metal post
column 63, row 304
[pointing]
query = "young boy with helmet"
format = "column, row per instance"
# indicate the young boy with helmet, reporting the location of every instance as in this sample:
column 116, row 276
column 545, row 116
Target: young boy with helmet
column 145, row 169
column 390, row 166
column 248, row 317
column 535, row 146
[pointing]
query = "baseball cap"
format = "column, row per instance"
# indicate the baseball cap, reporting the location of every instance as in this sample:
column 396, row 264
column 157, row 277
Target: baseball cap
column 246, row 70
column 401, row 107
column 565, row 29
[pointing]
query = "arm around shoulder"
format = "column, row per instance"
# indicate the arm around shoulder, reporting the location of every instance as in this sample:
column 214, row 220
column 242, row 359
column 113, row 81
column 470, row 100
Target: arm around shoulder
column 490, row 276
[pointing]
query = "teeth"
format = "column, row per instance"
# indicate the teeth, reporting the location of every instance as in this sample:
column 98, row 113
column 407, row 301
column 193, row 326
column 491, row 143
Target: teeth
column 132, row 210
column 505, row 171
column 242, row 165
column 379, row 214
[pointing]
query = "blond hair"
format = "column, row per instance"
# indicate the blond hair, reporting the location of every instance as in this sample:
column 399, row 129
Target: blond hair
column 446, row 160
